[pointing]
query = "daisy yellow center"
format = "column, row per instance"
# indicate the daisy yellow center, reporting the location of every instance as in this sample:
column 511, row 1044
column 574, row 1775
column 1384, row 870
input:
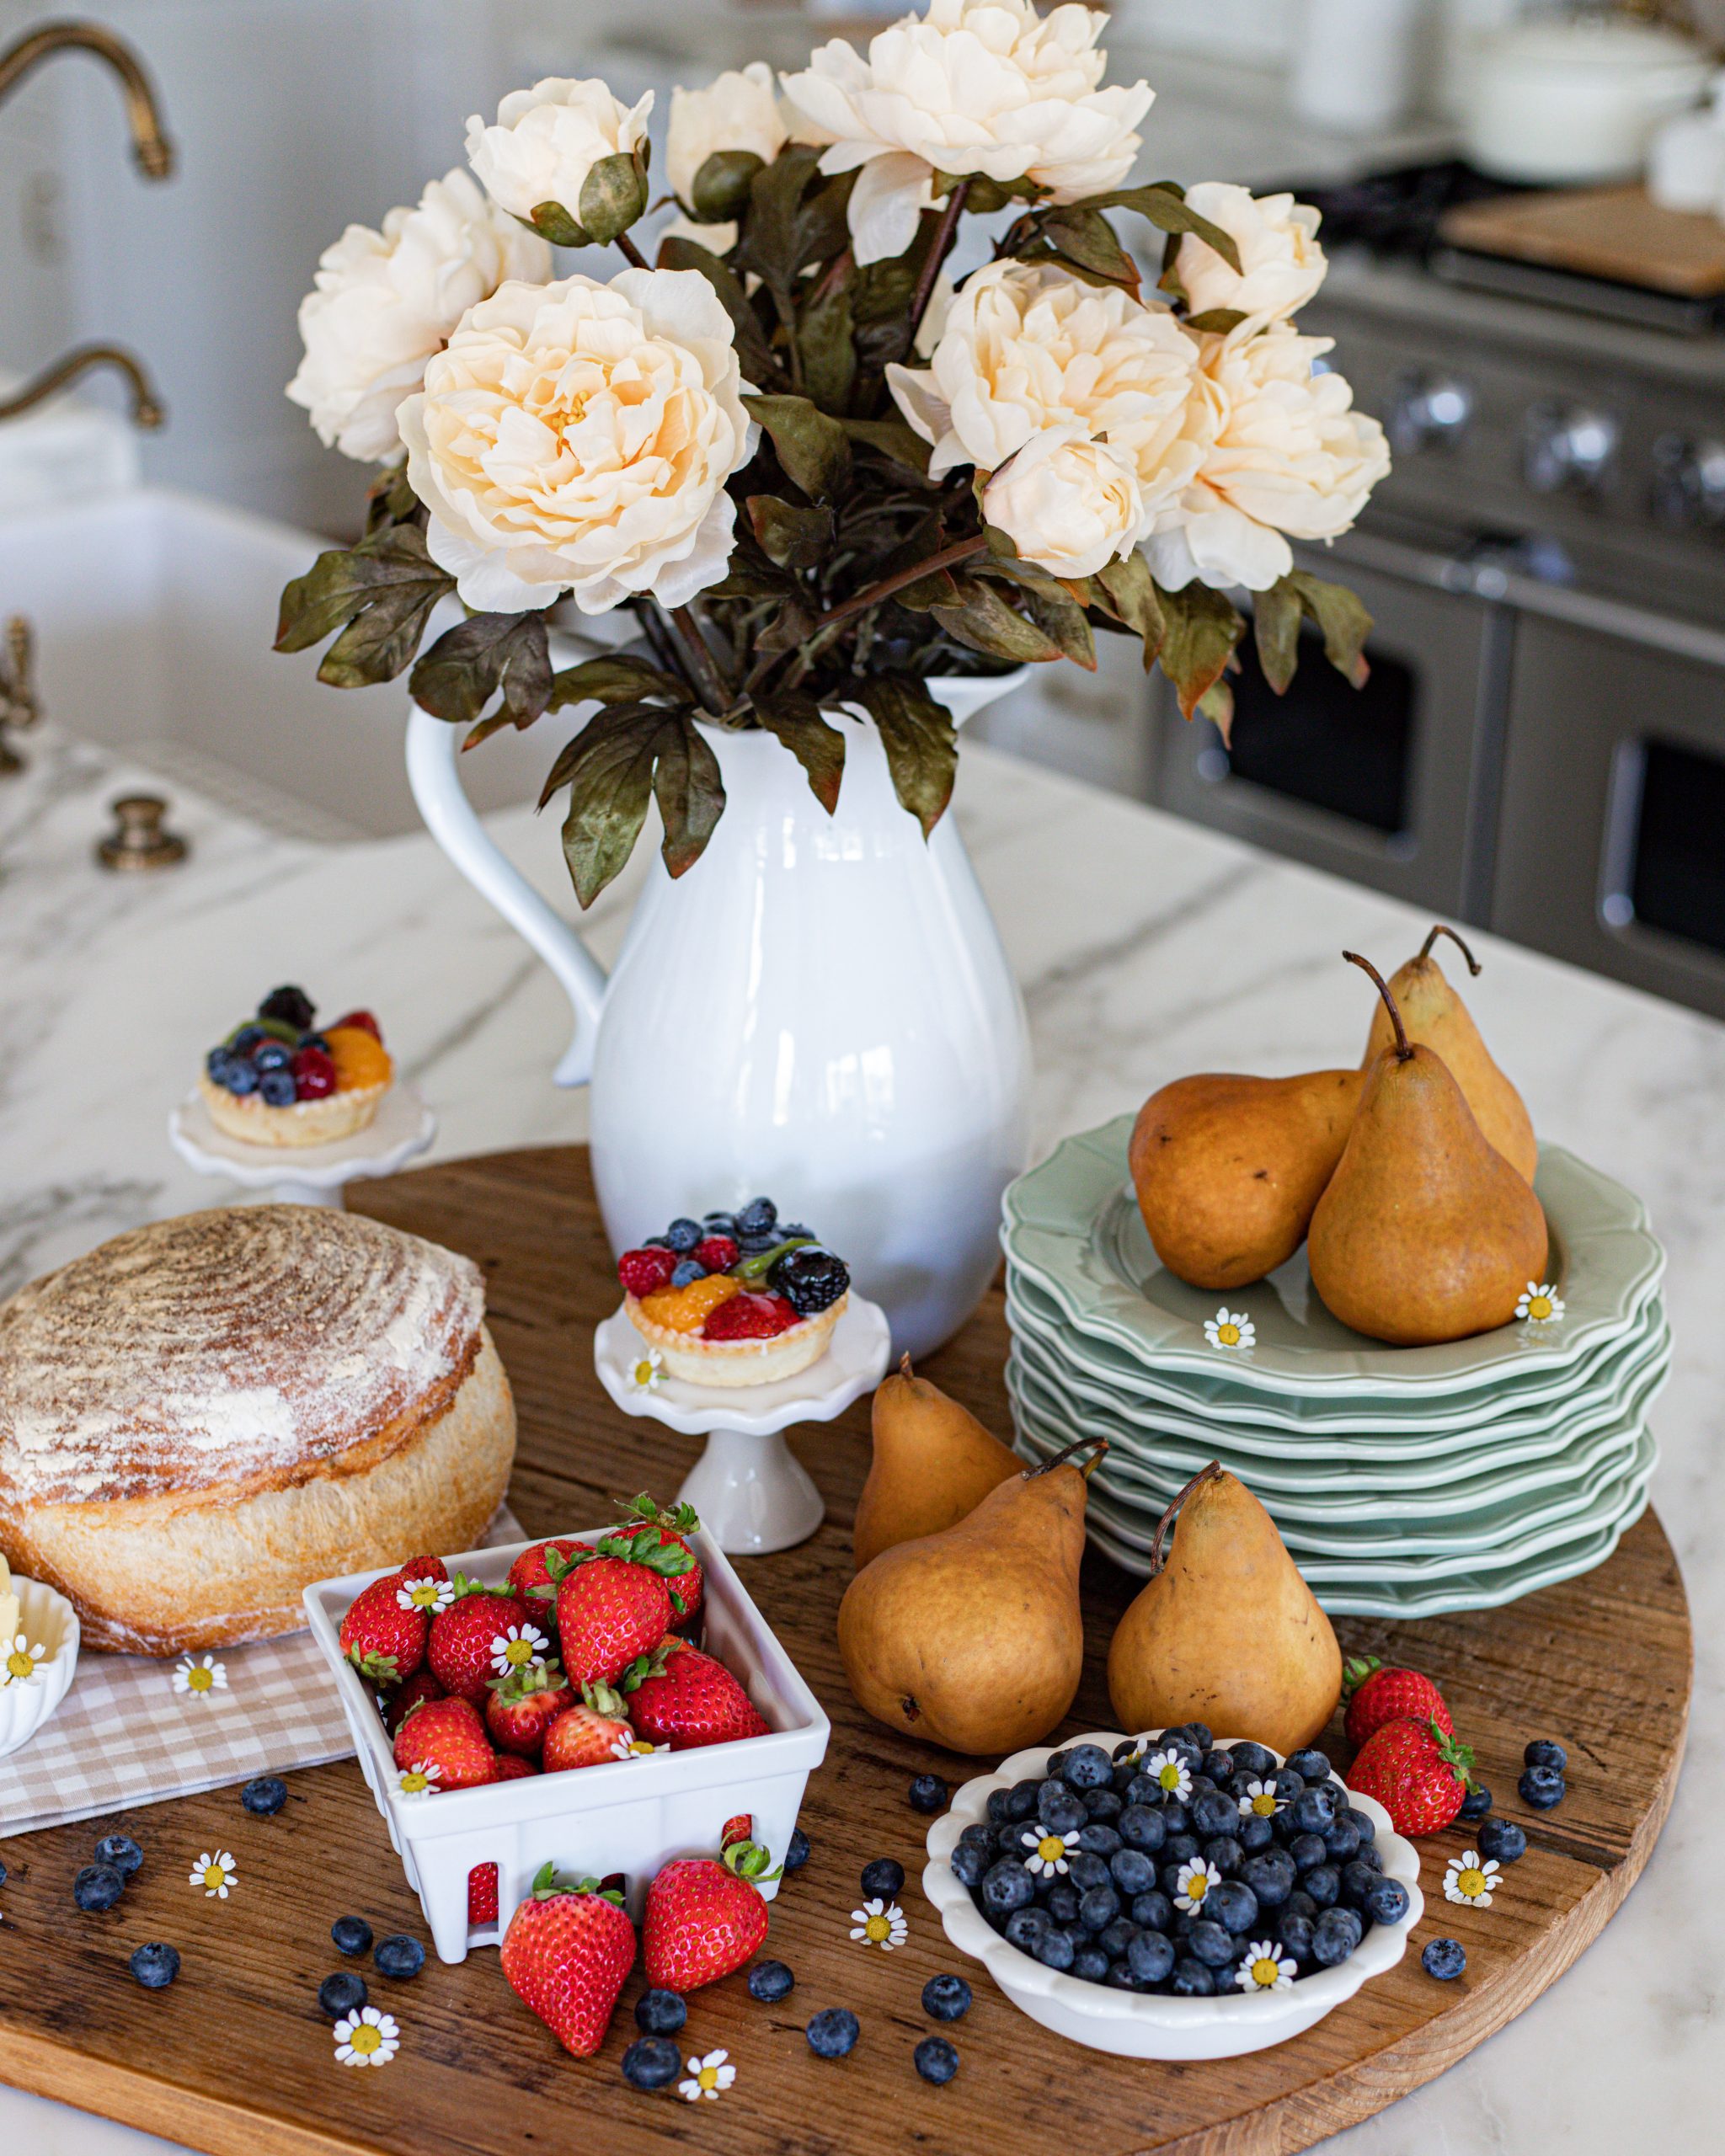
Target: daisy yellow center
column 366, row 2039
column 1470, row 1882
column 1229, row 1334
column 1050, row 1847
column 199, row 1680
column 425, row 1594
column 644, row 1374
column 414, row 1780
column 877, row 1929
column 641, row 1747
column 1539, row 1306
column 213, row 1874
column 1264, row 1973
column 1196, row 1889
column 1264, row 1803
column 709, row 2075
column 518, row 1651
column 1169, row 1776
column 19, row 1663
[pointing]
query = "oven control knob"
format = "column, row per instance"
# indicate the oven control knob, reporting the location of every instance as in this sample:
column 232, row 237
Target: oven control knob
column 1569, row 447
column 1428, row 411
column 1689, row 481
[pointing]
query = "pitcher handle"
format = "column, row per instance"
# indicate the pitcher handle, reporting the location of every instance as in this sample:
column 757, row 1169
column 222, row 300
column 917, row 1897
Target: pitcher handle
column 433, row 746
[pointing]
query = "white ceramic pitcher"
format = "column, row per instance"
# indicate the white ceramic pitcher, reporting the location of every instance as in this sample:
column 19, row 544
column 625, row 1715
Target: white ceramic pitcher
column 819, row 1011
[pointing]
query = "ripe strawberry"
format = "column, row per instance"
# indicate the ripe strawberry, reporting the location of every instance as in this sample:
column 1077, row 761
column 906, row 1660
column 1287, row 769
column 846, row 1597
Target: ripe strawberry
column 463, row 1650
column 1416, row 1771
column 611, row 1609
column 705, row 1917
column 482, row 1896
column 717, row 1253
column 566, row 1953
column 520, row 1708
column 364, row 1019
column 448, row 1735
column 423, row 1584
column 400, row 1703
column 648, row 1527
column 645, row 1272
column 423, row 1568
column 530, row 1577
column 1375, row 1695
column 685, row 1699
column 511, row 1766
column 749, row 1317
column 589, row 1734
column 384, row 1641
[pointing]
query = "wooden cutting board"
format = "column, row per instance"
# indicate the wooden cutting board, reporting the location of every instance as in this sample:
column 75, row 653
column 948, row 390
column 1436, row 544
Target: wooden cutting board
column 237, row 2059
column 1617, row 232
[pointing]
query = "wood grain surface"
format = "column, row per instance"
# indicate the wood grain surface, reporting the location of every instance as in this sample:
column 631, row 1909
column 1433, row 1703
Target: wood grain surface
column 1619, row 232
column 237, row 2059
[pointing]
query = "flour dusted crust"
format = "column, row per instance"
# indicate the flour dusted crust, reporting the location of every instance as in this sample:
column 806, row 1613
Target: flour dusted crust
column 202, row 1416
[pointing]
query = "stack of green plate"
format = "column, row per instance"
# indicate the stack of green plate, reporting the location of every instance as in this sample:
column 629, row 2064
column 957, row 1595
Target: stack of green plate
column 1405, row 1481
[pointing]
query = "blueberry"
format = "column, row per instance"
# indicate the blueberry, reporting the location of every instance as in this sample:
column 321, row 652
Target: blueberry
column 244, row 1038
column 98, row 1886
column 1299, row 1903
column 1271, row 1876
column 399, row 1956
column 1541, row 1787
column 271, row 1056
column 1100, row 1906
column 1444, row 1958
column 1151, row 1957
column 1233, row 1905
column 1323, row 1886
column 1386, row 1901
column 2, row 1875
column 1213, row 1813
column 686, row 1271
column 1310, row 1765
column 1308, row 1851
column 1143, row 1789
column 1212, row 1944
column 1219, row 1768
column 980, row 1831
column 240, row 1076
column 659, row 2013
column 351, row 1935
column 1058, row 1947
column 265, row 1795
column 293, row 1006
column 1104, row 1805
column 1153, row 1911
column 1198, row 1734
column 720, row 1223
column 768, row 1981
column 1192, row 1979
column 1254, row 1833
column 1178, row 1848
column 946, row 1998
column 1061, row 1900
column 1543, row 1752
column 1366, row 1824
column 155, row 1966
column 1099, row 1839
column 835, row 2029
column 682, row 1234
column 121, row 1851
column 1295, row 1935
column 968, row 1862
column 884, row 1877
column 1085, row 1870
column 1128, row 1751
column 1090, row 1963
column 652, row 2062
column 1477, row 1803
column 1087, row 1766
column 760, row 1217
column 1026, row 1929
column 1502, row 1839
column 1334, row 1937
column 1256, row 1760
column 935, row 2059
column 1225, row 1853
column 1357, row 1880
column 1113, row 1939
column 1342, row 1840
column 1190, row 1755
column 1020, row 1802
column 216, row 1062
column 1132, row 1871
column 276, row 1089
column 1314, row 1808
column 1059, row 1810
column 342, row 1993
column 319, row 1041
column 928, row 1793
column 796, row 1850
column 1141, row 1829
column 1006, row 1887
column 1288, row 1784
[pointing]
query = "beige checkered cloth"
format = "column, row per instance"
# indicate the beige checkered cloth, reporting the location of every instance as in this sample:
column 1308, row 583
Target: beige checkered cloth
column 123, row 1736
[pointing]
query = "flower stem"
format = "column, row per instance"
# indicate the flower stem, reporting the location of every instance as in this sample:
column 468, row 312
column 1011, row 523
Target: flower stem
column 948, row 557
column 702, row 666
column 631, row 253
column 944, row 234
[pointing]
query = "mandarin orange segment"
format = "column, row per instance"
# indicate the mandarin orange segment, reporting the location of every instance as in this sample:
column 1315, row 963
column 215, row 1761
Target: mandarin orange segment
column 360, row 1059
column 684, row 1310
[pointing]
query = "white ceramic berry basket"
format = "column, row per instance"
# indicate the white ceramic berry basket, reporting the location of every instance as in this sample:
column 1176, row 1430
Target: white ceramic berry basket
column 1150, row 2024
column 628, row 1817
column 47, row 1621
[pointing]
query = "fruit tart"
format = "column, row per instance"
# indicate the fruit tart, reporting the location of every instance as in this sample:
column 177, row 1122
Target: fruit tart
column 281, row 1080
column 734, row 1298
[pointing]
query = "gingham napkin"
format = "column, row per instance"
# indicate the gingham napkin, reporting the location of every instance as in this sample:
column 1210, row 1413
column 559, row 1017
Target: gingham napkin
column 125, row 1734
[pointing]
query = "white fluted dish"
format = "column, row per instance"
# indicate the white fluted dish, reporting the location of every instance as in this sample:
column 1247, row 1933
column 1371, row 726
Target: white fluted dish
column 45, row 1618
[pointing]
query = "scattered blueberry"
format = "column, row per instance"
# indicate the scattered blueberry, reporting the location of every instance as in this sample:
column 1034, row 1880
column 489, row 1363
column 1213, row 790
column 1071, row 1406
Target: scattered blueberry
column 928, row 1793
column 351, row 1935
column 652, row 2062
column 659, row 2013
column 935, row 2059
column 835, row 2029
column 768, row 1981
column 344, row 1993
column 1477, row 1802
column 884, row 1877
column 265, row 1795
column 1502, row 1839
column 399, row 1956
column 155, row 1966
column 946, row 1998
column 2, row 1875
column 796, row 1850
column 682, row 1235
column 98, row 1886
column 1541, row 1787
column 1543, row 1752
column 1444, row 1958
column 121, row 1851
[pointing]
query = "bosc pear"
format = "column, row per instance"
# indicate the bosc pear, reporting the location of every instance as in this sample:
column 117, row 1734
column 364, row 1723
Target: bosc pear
column 1435, row 1017
column 933, row 1462
column 1228, row 1168
column 972, row 1638
column 1426, row 1232
column 1225, row 1632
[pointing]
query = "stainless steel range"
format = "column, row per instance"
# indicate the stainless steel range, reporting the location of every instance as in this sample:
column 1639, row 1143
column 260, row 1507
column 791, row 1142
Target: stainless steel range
column 1541, row 747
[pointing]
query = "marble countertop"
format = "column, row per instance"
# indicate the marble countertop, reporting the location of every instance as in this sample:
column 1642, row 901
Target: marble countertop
column 1146, row 948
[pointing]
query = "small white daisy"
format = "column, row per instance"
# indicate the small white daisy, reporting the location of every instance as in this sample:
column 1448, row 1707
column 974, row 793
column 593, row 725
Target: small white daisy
column 1171, row 1772
column 419, row 1780
column 1471, row 1877
column 428, row 1593
column 635, row 1747
column 1540, row 1303
column 706, row 2078
column 204, row 1676
column 19, row 1663
column 214, row 1874
column 1265, row 1968
column 647, row 1374
column 1260, row 1800
column 1229, row 1329
column 1193, row 1882
column 1048, row 1851
column 522, row 1646
column 880, row 1923
column 367, row 2038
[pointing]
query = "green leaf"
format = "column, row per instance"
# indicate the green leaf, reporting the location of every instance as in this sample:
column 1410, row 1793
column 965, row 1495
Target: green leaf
column 1125, row 590
column 468, row 664
column 608, row 769
column 719, row 193
column 985, row 196
column 1086, row 237
column 812, row 447
column 1203, row 629
column 1343, row 621
column 617, row 678
column 773, row 239
column 1216, row 320
column 1164, row 205
column 922, row 748
column 383, row 589
column 1275, row 628
column 791, row 537
column 825, row 346
column 613, row 195
column 689, row 790
column 795, row 721
column 756, row 359
column 551, row 221
column 891, row 438
column 981, row 618
column 390, row 499
column 1216, row 704
column 1054, row 610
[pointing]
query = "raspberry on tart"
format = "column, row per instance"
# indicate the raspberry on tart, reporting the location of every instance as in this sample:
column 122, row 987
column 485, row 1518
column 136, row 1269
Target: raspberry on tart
column 278, row 1080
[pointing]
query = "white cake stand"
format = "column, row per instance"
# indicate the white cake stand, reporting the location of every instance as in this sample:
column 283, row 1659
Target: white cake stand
column 306, row 1175
column 752, row 1494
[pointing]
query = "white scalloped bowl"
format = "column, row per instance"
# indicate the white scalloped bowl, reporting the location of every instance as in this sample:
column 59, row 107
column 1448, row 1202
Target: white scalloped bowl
column 1151, row 2025
column 47, row 1619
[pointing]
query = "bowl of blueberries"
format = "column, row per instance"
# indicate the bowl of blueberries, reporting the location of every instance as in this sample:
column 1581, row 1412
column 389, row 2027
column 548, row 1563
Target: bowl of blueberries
column 1172, row 1896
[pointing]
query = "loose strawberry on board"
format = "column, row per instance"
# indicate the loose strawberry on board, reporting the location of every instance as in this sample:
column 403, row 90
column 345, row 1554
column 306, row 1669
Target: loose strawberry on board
column 384, row 1641
column 566, row 1955
column 705, row 1917
column 529, row 1576
column 1416, row 1771
column 589, row 1734
column 520, row 1708
column 448, row 1735
column 464, row 1649
column 398, row 1704
column 611, row 1609
column 683, row 1698
column 1375, row 1695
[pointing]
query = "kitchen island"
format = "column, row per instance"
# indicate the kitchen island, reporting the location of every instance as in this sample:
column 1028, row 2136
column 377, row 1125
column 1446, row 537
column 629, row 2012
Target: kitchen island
column 1147, row 948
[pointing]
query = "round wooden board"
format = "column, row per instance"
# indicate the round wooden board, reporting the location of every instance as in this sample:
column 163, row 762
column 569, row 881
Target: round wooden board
column 236, row 2057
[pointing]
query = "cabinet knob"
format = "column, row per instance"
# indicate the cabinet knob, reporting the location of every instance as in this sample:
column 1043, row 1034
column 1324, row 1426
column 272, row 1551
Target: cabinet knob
column 1689, row 481
column 1428, row 411
column 1568, row 447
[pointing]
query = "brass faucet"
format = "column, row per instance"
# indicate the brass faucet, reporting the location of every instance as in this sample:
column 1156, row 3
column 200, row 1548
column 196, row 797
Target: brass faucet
column 18, row 697
column 150, row 144
column 147, row 410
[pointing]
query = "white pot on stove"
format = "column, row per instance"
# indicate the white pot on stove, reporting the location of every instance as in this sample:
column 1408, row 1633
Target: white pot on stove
column 1575, row 103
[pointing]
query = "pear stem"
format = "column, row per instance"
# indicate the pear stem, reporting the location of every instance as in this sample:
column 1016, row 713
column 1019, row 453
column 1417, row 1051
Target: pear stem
column 1078, row 1444
column 1403, row 1051
column 1443, row 928
column 905, row 1369
column 1157, row 1554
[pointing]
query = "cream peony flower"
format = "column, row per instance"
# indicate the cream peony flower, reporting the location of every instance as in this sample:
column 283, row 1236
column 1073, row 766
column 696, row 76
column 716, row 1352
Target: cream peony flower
column 1287, row 455
column 1281, row 263
column 546, row 140
column 1069, row 504
column 578, row 436
column 975, row 85
column 386, row 301
column 739, row 111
